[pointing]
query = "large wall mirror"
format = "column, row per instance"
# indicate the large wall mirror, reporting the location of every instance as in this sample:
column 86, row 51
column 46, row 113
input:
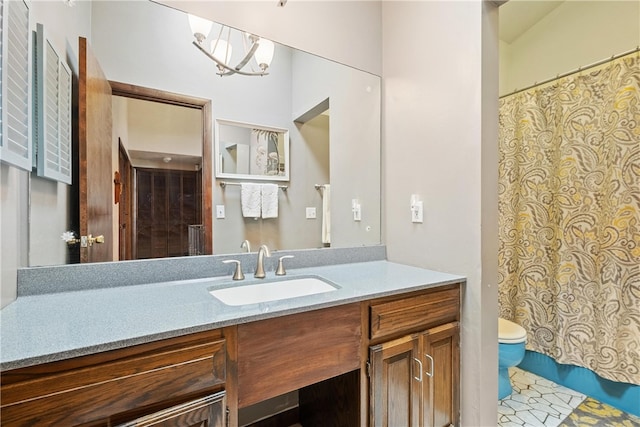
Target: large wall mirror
column 329, row 113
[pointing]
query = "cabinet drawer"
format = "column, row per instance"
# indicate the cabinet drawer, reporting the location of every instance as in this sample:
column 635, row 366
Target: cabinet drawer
column 404, row 315
column 98, row 386
column 207, row 411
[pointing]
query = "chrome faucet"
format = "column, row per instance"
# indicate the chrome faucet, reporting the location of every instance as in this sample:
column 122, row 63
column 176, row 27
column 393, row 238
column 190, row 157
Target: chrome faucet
column 262, row 252
column 245, row 245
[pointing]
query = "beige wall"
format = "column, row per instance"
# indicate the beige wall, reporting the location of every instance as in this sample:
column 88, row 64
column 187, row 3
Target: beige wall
column 440, row 126
column 163, row 128
column 14, row 202
column 575, row 34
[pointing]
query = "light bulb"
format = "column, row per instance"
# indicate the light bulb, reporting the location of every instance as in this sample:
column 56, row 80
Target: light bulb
column 221, row 50
column 264, row 53
column 200, row 27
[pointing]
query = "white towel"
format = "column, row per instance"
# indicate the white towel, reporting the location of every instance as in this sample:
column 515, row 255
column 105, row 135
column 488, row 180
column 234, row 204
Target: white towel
column 270, row 200
column 250, row 199
column 326, row 213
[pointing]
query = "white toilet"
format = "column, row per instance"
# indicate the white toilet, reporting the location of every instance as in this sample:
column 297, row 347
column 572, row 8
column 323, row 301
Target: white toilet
column 511, row 342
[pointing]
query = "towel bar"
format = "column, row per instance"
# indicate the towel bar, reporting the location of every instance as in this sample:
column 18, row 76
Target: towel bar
column 223, row 184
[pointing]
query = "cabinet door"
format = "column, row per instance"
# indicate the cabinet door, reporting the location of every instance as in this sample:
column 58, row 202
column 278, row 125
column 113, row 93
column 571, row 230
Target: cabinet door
column 396, row 376
column 441, row 351
column 208, row 411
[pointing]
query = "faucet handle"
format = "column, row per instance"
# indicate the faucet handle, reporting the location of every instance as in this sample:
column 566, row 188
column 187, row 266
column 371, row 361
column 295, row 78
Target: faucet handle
column 237, row 275
column 281, row 271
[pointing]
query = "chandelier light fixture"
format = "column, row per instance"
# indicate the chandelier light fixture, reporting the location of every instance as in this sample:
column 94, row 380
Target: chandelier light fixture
column 257, row 48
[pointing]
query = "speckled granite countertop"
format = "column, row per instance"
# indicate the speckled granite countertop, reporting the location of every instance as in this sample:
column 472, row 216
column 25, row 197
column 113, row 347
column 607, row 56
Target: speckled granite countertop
column 54, row 326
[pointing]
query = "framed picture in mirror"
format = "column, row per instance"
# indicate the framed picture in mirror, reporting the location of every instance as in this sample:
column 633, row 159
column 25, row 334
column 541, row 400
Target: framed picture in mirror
column 251, row 151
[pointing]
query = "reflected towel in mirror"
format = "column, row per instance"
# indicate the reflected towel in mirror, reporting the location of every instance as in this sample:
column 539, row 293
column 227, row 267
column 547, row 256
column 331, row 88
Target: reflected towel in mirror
column 251, row 199
column 326, row 213
column 270, row 200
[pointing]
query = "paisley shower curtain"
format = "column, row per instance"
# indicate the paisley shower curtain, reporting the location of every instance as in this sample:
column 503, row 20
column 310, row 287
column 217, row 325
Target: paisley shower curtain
column 569, row 205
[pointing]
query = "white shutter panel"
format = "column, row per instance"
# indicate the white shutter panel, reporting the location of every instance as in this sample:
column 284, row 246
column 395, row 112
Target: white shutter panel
column 15, row 143
column 64, row 97
column 52, row 118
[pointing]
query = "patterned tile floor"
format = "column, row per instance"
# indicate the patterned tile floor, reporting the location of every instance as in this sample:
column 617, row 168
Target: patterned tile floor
column 536, row 402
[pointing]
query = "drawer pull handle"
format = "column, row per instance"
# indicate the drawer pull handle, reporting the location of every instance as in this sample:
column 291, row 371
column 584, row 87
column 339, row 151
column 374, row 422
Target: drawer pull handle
column 419, row 370
column 430, row 373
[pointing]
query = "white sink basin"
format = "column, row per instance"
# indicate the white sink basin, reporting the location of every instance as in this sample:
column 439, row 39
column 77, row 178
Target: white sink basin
column 272, row 290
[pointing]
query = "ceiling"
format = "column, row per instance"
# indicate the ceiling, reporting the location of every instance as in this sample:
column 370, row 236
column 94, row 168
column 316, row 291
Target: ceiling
column 517, row 16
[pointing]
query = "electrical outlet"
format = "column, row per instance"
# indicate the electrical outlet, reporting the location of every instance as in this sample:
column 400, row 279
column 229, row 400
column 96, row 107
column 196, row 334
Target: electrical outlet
column 311, row 213
column 220, row 211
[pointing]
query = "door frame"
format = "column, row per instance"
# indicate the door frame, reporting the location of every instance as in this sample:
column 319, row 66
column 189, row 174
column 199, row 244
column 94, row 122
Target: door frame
column 125, row 210
column 204, row 105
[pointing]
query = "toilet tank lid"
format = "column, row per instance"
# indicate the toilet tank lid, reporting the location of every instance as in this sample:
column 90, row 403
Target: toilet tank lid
column 509, row 331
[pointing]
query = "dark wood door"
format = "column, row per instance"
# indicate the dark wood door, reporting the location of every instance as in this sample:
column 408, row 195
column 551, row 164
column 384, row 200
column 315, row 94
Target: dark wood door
column 441, row 352
column 167, row 203
column 396, row 376
column 94, row 149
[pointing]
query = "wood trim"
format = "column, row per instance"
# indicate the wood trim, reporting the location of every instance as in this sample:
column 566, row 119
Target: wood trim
column 82, row 147
column 231, row 337
column 125, row 210
column 364, row 365
column 157, row 95
column 207, row 178
column 149, row 94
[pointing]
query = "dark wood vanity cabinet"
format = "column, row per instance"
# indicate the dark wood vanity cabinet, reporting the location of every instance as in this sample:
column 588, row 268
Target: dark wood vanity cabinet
column 414, row 377
column 115, row 387
column 392, row 361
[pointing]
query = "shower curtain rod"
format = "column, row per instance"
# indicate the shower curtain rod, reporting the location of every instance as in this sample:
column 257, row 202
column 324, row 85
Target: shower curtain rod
column 586, row 67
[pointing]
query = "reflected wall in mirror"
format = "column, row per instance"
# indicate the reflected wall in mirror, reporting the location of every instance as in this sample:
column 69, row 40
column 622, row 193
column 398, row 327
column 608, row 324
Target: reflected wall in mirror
column 250, row 151
column 152, row 47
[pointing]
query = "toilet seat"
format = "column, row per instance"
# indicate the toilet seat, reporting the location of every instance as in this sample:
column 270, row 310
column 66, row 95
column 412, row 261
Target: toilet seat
column 510, row 332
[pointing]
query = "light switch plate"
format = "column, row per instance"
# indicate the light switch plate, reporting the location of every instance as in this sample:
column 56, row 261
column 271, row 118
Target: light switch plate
column 417, row 212
column 219, row 211
column 356, row 208
column 311, row 213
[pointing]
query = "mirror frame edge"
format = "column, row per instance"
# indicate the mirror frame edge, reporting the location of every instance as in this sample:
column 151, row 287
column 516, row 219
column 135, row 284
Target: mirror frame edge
column 156, row 95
